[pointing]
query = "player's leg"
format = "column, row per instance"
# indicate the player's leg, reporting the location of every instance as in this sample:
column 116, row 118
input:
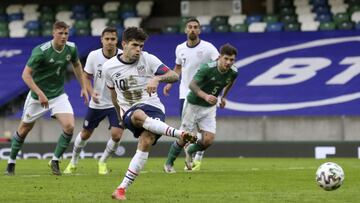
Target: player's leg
column 32, row 111
column 156, row 126
column 92, row 119
column 198, row 156
column 188, row 124
column 207, row 125
column 63, row 112
column 116, row 131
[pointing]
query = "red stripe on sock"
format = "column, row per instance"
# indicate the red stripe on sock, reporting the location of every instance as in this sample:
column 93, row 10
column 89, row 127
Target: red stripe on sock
column 167, row 129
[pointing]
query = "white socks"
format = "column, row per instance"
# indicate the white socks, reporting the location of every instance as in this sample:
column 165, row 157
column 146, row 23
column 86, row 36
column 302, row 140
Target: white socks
column 111, row 146
column 79, row 144
column 161, row 128
column 136, row 165
column 199, row 154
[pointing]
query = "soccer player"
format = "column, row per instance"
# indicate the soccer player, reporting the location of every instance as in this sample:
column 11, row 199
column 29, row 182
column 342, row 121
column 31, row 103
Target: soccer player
column 100, row 105
column 200, row 105
column 44, row 74
column 133, row 78
column 189, row 55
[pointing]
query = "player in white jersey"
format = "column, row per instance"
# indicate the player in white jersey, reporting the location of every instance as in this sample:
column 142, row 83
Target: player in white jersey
column 100, row 105
column 133, row 78
column 189, row 56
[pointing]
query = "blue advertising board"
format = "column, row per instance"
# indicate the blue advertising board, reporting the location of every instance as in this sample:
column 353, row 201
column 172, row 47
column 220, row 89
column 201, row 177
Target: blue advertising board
column 280, row 74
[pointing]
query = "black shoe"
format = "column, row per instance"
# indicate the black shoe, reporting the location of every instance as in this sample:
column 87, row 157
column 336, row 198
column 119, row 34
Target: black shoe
column 10, row 169
column 55, row 169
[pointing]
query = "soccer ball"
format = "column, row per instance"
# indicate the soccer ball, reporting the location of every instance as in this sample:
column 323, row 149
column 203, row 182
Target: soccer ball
column 330, row 176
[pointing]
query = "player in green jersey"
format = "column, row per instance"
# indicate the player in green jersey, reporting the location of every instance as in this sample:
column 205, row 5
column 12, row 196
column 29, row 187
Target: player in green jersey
column 44, row 74
column 200, row 105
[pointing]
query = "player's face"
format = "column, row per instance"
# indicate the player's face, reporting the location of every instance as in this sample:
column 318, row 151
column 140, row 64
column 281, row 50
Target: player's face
column 61, row 36
column 109, row 41
column 132, row 49
column 192, row 30
column 225, row 62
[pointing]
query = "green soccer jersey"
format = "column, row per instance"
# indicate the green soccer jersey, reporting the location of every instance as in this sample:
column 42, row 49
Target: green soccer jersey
column 211, row 81
column 49, row 67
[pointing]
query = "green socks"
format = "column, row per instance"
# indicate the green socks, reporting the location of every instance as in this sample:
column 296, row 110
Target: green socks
column 174, row 152
column 16, row 144
column 62, row 144
column 192, row 148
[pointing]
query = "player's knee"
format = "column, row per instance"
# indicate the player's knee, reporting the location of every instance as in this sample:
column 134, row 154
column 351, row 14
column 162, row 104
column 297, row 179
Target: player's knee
column 138, row 117
column 24, row 129
column 69, row 128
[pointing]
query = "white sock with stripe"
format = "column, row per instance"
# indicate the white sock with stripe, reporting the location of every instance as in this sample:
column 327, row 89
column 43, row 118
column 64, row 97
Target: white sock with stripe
column 161, row 128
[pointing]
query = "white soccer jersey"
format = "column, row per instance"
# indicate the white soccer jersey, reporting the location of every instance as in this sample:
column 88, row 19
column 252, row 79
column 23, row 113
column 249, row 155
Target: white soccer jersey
column 190, row 59
column 94, row 66
column 130, row 80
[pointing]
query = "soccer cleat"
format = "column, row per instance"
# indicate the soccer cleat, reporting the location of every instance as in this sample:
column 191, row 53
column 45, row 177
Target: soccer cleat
column 103, row 170
column 10, row 169
column 70, row 169
column 189, row 137
column 188, row 160
column 169, row 169
column 119, row 194
column 196, row 166
column 55, row 169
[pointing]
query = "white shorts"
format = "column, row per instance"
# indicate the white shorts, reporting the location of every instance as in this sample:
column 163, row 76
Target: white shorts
column 203, row 117
column 33, row 109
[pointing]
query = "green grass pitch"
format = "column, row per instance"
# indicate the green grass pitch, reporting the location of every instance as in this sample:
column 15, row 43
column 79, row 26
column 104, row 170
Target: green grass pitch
column 220, row 180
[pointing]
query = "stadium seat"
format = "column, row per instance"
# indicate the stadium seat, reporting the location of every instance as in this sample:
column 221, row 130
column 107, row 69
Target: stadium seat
column 345, row 25
column 303, row 9
column 239, row 28
column 15, row 16
column 63, row 15
column 32, row 25
column 4, row 33
column 96, row 14
column 257, row 27
column 144, row 8
column 353, row 9
column 221, row 28
column 355, row 17
column 31, row 16
column 33, row 33
column 284, row 3
column 274, row 27
column 288, row 19
column 47, row 17
column 14, row 8
column 79, row 16
column 253, row 19
column 132, row 22
column 45, row 32
column 126, row 7
column 319, row 2
column 170, row 29
column 111, row 6
column 322, row 10
column 357, row 26
column 127, row 14
column 82, row 24
column 114, row 22
column 341, row 17
column 287, row 11
column 3, row 17
column 270, row 19
column 97, row 25
column 327, row 26
column 82, row 32
column 324, row 18
column 30, row 8
column 310, row 26
column 206, row 29
column 305, row 18
column 301, row 3
column 204, row 20
column 294, row 26
column 236, row 19
column 219, row 20
column 112, row 15
column 339, row 9
column 62, row 7
column 78, row 8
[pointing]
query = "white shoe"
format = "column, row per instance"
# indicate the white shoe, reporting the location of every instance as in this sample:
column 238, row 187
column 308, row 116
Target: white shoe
column 188, row 160
column 169, row 169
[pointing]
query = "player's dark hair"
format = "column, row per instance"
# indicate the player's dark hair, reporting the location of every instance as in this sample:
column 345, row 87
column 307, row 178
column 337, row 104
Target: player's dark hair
column 134, row 33
column 60, row 25
column 227, row 49
column 109, row 29
column 192, row 19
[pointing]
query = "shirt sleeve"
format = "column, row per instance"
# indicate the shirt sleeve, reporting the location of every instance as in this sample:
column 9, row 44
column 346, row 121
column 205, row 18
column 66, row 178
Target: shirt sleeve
column 177, row 55
column 155, row 65
column 75, row 55
column 89, row 64
column 35, row 59
column 214, row 53
column 109, row 82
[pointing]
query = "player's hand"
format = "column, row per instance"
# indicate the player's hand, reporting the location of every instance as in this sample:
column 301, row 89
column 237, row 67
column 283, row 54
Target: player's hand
column 222, row 102
column 43, row 100
column 95, row 97
column 151, row 87
column 211, row 99
column 166, row 89
column 84, row 94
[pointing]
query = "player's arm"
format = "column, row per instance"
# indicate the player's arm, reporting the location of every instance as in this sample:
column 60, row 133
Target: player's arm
column 163, row 74
column 27, row 77
column 168, row 86
column 87, row 78
column 79, row 76
column 115, row 103
column 211, row 99
column 225, row 93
